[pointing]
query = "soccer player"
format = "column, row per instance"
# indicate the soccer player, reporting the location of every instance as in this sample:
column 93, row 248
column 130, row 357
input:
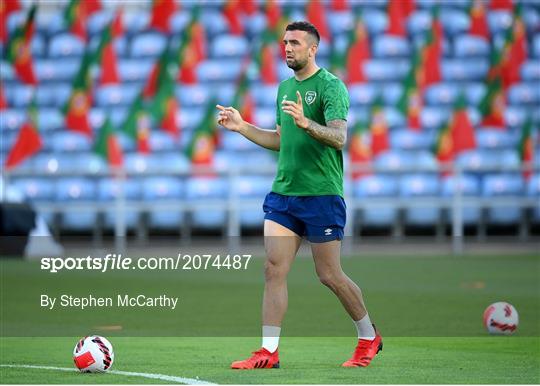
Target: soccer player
column 307, row 194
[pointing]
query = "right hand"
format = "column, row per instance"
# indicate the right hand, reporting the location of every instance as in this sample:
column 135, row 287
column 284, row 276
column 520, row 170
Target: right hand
column 230, row 118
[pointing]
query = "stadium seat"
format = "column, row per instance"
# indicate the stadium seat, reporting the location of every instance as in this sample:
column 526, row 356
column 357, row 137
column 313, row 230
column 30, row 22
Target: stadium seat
column 136, row 20
column 377, row 186
column 375, row 21
column 70, row 141
column 466, row 46
column 163, row 189
column 388, row 46
column 120, row 45
column 424, row 160
column 7, row 73
column 65, row 45
column 108, row 190
column 97, row 21
column 50, row 119
column 179, row 21
column 19, row 95
column 524, row 93
column 434, row 117
column 147, row 44
column 231, row 141
column 419, row 22
column 191, row 117
column 90, row 163
column 50, row 22
column 262, row 161
column 441, row 94
column 394, row 160
column 264, row 95
column 161, row 141
column 530, row 70
column 63, row 69
column 36, row 189
column 363, row 94
column 252, row 189
column 510, row 185
column 193, row 95
column 386, row 69
column 254, row 25
column 454, row 21
column 229, row 46
column 12, row 119
column 70, row 190
column 416, row 186
column 38, row 46
column 340, row 22
column 515, row 116
column 468, row 186
column 219, row 70
column 391, row 92
column 116, row 95
column 265, row 117
column 474, row 92
column 533, row 190
column 407, row 139
column 499, row 21
column 167, row 162
column 53, row 94
column 214, row 22
column 477, row 160
column 495, row 139
column 135, row 70
column 207, row 191
column 535, row 48
column 464, row 70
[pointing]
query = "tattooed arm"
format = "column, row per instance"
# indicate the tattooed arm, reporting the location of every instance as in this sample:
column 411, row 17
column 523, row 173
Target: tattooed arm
column 334, row 134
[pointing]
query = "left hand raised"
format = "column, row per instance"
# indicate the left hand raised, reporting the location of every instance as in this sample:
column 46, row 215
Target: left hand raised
column 296, row 110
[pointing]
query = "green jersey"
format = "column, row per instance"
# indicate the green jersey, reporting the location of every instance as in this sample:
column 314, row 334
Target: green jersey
column 307, row 167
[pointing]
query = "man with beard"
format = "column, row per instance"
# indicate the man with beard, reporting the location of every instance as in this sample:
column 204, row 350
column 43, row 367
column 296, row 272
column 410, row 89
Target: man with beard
column 307, row 194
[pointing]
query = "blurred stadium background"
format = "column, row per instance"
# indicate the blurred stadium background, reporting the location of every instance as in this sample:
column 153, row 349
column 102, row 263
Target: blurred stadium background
column 108, row 113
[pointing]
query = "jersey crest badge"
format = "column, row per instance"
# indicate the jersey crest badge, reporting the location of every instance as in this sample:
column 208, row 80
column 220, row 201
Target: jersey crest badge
column 310, row 97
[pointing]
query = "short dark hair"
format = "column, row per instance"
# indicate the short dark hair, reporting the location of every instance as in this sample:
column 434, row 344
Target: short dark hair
column 304, row 26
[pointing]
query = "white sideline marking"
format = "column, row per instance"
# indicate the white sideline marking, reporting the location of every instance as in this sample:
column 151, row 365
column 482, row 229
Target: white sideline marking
column 162, row 377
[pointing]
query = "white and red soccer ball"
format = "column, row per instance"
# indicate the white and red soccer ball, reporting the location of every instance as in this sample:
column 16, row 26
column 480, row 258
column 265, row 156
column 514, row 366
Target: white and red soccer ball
column 93, row 354
column 501, row 318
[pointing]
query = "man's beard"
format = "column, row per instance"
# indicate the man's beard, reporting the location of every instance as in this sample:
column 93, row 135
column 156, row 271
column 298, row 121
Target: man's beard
column 296, row 65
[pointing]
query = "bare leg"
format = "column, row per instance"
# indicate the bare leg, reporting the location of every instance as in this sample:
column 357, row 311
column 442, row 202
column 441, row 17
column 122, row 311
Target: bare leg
column 328, row 267
column 281, row 246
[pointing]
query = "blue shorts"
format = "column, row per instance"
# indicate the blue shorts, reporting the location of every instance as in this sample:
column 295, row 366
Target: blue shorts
column 319, row 218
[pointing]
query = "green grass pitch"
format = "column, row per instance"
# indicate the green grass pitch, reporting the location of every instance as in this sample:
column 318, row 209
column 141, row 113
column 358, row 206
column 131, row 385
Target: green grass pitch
column 429, row 310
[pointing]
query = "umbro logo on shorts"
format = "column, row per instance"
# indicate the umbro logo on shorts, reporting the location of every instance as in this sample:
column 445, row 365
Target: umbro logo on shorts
column 327, row 231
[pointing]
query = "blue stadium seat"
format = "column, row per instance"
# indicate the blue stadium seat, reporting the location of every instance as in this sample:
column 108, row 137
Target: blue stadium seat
column 394, row 160
column 135, row 163
column 499, row 21
column 406, row 139
column 463, row 70
column 533, row 190
column 420, row 185
column 191, row 117
column 209, row 190
column 253, row 188
column 116, row 95
column 50, row 119
column 424, row 160
column 515, row 116
column 363, row 94
column 72, row 190
column 375, row 20
column 434, row 117
column 259, row 160
column 530, row 70
column 7, row 73
column 265, row 117
column 63, row 69
column 120, row 45
column 219, row 70
column 70, row 141
column 160, row 141
column 38, row 46
column 388, row 46
column 535, row 49
column 531, row 16
column 53, row 94
column 193, row 95
column 476, row 160
column 65, row 45
column 97, row 21
column 420, row 40
column 179, row 21
column 466, row 46
column 36, row 189
column 495, row 139
column 51, row 163
column 156, row 189
column 12, row 119
column 229, row 46
column 231, row 141
column 377, row 185
column 468, row 186
column 454, row 21
column 340, row 22
column 90, row 163
column 147, row 44
column 136, row 20
column 441, row 94
column 391, row 92
column 19, row 95
column 214, row 22
column 168, row 162
column 503, row 185
column 419, row 22
column 386, row 70
column 254, row 25
column 524, row 93
column 50, row 22
column 264, row 95
column 108, row 190
column 135, row 70
column 474, row 92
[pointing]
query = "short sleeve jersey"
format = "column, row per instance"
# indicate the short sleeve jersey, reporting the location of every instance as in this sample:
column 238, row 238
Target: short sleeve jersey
column 307, row 167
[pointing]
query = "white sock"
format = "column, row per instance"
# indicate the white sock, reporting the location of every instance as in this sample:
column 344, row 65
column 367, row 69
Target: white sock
column 365, row 328
column 270, row 340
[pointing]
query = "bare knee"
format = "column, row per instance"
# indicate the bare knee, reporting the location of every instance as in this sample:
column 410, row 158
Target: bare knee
column 334, row 281
column 274, row 271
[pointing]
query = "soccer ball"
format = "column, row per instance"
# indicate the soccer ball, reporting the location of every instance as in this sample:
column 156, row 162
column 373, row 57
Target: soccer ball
column 501, row 318
column 93, row 354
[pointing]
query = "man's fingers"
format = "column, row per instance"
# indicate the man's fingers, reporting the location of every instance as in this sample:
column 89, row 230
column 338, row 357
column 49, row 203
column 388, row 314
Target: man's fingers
column 220, row 107
column 298, row 97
